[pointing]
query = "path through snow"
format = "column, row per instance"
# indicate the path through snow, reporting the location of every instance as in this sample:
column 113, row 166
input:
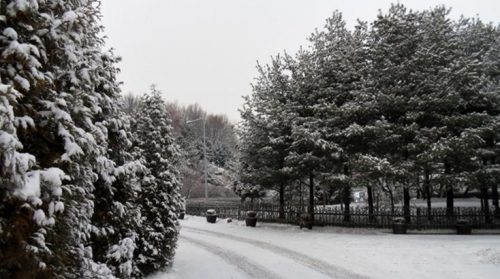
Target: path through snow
column 318, row 265
column 245, row 265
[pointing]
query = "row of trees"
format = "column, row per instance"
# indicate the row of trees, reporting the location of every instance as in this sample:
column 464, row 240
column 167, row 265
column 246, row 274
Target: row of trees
column 86, row 190
column 409, row 103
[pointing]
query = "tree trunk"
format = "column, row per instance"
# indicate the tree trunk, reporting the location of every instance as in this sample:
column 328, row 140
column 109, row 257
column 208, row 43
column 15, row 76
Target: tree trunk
column 370, row 203
column 281, row 213
column 449, row 192
column 341, row 199
column 406, row 206
column 391, row 196
column 282, row 201
column 324, row 197
column 427, row 187
column 494, row 194
column 420, row 193
column 484, row 194
column 311, row 197
column 441, row 192
column 346, row 196
column 464, row 195
column 301, row 197
column 449, row 202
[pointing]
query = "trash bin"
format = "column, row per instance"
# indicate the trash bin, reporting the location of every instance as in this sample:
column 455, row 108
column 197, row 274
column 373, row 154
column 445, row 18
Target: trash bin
column 251, row 219
column 211, row 216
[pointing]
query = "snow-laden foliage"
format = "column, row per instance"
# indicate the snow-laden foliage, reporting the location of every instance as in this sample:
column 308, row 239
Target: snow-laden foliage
column 70, row 176
column 160, row 188
column 117, row 215
column 409, row 104
column 265, row 133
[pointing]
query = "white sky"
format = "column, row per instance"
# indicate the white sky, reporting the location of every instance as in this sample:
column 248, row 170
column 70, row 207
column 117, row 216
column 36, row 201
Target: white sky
column 205, row 51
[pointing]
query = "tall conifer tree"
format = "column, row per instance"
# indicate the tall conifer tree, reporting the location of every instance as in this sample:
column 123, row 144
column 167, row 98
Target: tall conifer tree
column 160, row 193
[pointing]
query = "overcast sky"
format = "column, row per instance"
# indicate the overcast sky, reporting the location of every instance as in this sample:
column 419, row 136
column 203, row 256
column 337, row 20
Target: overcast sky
column 205, row 51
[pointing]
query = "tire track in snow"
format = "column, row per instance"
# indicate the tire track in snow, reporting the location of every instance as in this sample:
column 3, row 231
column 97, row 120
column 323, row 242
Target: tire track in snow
column 250, row 268
column 315, row 264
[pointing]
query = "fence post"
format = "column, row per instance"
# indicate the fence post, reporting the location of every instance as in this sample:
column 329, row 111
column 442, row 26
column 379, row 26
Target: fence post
column 239, row 210
column 418, row 217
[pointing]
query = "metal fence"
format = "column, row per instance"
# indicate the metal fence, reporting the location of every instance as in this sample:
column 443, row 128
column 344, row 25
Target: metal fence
column 419, row 218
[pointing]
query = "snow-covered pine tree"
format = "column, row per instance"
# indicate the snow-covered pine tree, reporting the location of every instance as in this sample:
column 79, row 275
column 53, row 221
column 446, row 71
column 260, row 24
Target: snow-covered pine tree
column 23, row 251
column 474, row 126
column 117, row 211
column 86, row 89
column 117, row 218
column 265, row 131
column 437, row 99
column 455, row 103
column 428, row 74
column 342, row 109
column 310, row 153
column 325, row 86
column 245, row 190
column 58, row 90
column 394, row 81
column 34, row 50
column 160, row 193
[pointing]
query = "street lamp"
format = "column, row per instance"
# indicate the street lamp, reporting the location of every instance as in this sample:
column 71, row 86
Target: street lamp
column 204, row 152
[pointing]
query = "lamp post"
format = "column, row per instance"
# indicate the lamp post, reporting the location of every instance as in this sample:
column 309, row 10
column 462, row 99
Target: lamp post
column 204, row 152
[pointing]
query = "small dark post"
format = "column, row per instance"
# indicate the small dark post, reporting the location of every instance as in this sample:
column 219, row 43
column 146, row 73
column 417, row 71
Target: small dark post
column 346, row 196
column 494, row 194
column 419, row 213
column 427, row 187
column 449, row 192
column 406, row 207
column 311, row 197
column 370, row 203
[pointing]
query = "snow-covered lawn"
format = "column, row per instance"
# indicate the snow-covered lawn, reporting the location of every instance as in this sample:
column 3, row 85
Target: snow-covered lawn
column 232, row 250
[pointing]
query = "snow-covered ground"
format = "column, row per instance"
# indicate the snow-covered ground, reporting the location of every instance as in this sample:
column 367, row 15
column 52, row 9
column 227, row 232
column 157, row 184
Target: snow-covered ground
column 232, row 250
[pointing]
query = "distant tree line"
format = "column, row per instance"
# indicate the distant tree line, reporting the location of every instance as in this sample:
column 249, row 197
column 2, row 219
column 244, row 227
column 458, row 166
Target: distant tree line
column 221, row 141
column 407, row 104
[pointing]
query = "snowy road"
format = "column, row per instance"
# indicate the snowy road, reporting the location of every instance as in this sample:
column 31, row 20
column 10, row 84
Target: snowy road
column 231, row 250
column 244, row 264
column 273, row 256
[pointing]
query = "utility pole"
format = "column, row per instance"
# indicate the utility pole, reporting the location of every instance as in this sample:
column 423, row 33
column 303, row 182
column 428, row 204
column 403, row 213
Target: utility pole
column 205, row 157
